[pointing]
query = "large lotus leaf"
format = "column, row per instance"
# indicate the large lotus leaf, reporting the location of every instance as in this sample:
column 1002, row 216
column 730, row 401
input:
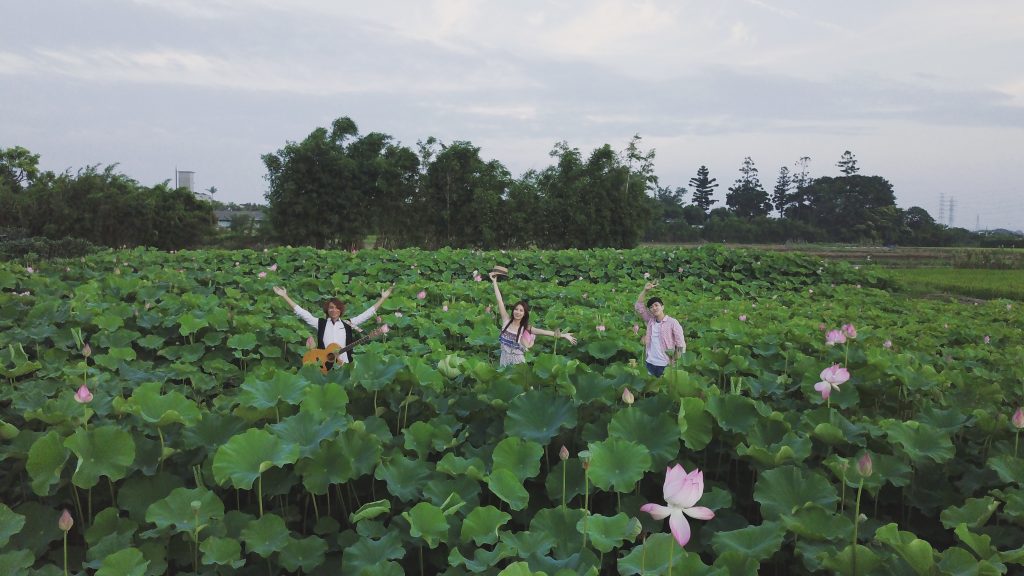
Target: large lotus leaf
column 603, row 349
column 920, row 441
column 813, row 522
column 328, row 400
column 303, row 553
column 210, row 432
column 139, row 492
column 266, row 535
column 695, row 423
column 222, row 551
column 46, row 460
column 306, row 431
column 184, row 510
column 518, row 456
column 526, row 544
column 658, row 433
column 427, row 437
column 974, row 513
column 15, row 363
column 538, row 415
column 916, row 552
column 782, row 490
column 246, row 341
column 655, row 553
column 405, row 477
column 757, row 542
column 1008, row 468
column 867, row 561
column 242, row 458
column 506, row 486
column 428, row 522
column 520, row 569
column 453, row 465
column 960, row 562
column 373, row 372
column 127, row 562
column 793, row 448
column 161, row 409
column 187, row 353
column 735, row 413
column 373, row 557
column 16, row 563
column 190, row 324
column 606, row 533
column 558, row 526
column 370, row 510
column 40, row 528
column 264, row 394
column 481, row 525
column 108, row 533
column 106, row 451
column 573, row 472
column 617, row 465
column 352, row 454
column 425, row 374
column 10, row 524
column 980, row 544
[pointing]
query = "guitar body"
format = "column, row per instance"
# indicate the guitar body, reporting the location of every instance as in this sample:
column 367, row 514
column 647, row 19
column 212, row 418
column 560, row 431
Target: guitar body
column 327, row 358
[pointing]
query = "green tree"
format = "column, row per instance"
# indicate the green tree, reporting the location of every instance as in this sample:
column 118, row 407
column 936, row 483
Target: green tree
column 18, row 167
column 746, row 196
column 703, row 188
column 848, row 164
column 849, row 207
column 780, row 194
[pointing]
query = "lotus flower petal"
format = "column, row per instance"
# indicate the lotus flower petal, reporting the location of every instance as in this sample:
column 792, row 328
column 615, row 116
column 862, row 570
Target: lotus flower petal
column 699, row 512
column 680, row 527
column 657, row 511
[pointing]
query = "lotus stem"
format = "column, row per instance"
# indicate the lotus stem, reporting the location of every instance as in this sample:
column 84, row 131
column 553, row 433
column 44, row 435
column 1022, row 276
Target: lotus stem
column 564, row 469
column 161, row 435
column 259, row 492
column 1016, row 442
column 856, row 525
column 316, row 510
column 65, row 553
column 842, row 499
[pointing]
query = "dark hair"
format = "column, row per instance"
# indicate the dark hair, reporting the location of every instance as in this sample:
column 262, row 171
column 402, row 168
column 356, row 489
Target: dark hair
column 652, row 300
column 524, row 324
column 337, row 304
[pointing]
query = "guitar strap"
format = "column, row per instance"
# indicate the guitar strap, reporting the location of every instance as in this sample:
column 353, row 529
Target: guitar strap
column 349, row 334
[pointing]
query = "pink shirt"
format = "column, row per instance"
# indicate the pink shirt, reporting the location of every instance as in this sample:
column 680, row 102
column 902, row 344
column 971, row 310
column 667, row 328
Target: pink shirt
column 671, row 332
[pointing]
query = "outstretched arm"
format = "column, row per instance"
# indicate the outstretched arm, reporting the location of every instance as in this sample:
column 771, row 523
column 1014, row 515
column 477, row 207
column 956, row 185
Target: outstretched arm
column 299, row 310
column 369, row 312
column 497, row 296
column 284, row 295
column 639, row 306
column 557, row 334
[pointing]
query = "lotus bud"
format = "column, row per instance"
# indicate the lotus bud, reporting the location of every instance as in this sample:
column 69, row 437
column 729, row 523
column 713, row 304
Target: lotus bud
column 30, row 270
column 444, row 308
column 385, row 329
column 835, row 337
column 487, row 310
column 1018, row 419
column 398, row 314
column 849, row 331
column 864, row 465
column 66, row 521
column 195, row 505
column 600, row 328
column 887, row 344
column 83, row 396
column 273, row 268
column 86, row 350
column 421, row 295
column 987, row 339
column 743, row 317
column 563, row 454
column 627, row 397
column 310, row 343
column 262, row 274
column 636, row 329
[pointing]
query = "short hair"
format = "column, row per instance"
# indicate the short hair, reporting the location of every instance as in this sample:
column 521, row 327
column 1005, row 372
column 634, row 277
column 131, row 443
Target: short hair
column 337, row 304
column 652, row 300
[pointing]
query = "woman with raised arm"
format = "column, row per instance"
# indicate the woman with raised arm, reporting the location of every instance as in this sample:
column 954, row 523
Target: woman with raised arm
column 333, row 329
column 517, row 335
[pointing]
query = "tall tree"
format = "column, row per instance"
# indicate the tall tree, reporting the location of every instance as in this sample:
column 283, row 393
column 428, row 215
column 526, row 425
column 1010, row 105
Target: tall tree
column 780, row 194
column 747, row 198
column 848, row 164
column 18, row 167
column 798, row 204
column 703, row 188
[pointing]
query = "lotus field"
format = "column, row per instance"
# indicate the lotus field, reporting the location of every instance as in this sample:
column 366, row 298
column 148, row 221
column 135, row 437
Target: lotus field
column 155, row 418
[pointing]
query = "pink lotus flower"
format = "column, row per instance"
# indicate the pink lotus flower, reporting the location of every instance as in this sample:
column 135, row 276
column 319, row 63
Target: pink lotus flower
column 834, row 337
column 849, row 331
column 30, row 270
column 273, row 268
column 262, row 275
column 600, row 328
column 477, row 278
column 681, row 491
column 385, row 329
column 743, row 317
column 864, row 465
column 310, row 343
column 831, row 378
column 987, row 339
column 563, row 454
column 444, row 308
column 627, row 396
column 887, row 344
column 1018, row 419
column 66, row 521
column 636, row 329
column 83, row 396
column 647, row 275
column 422, row 294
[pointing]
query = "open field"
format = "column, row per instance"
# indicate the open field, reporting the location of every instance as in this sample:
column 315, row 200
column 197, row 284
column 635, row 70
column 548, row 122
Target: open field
column 973, row 283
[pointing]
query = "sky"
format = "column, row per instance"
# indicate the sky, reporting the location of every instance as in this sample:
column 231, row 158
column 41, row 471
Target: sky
column 928, row 94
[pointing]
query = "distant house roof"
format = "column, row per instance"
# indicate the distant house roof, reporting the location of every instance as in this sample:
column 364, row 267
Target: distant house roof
column 226, row 215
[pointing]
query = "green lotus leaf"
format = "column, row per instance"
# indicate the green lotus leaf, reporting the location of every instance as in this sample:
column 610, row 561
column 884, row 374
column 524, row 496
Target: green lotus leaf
column 373, row 372
column 8, row 431
column 211, row 431
column 39, row 531
column 265, row 394
column 325, row 401
column 538, row 415
column 458, row 466
column 916, row 552
column 518, row 456
column 481, row 525
column 424, row 437
column 842, row 563
column 303, row 553
column 109, row 322
column 242, row 458
column 428, row 522
column 162, row 409
column 352, row 454
column 653, row 555
column 606, row 533
column 735, row 413
column 980, row 544
column 520, row 569
column 405, row 476
column 265, row 535
column 189, row 324
column 139, row 492
column 793, row 448
column 617, row 465
column 16, row 563
column 246, row 341
column 505, row 485
column 657, row 432
column 695, row 423
column 425, row 374
column 186, row 353
column 45, row 463
column 813, row 522
column 603, row 349
column 222, row 551
column 306, row 431
column 757, row 542
column 558, row 526
column 1009, row 469
column 370, row 510
column 109, row 533
column 733, row 562
column 960, row 562
column 920, row 441
column 787, row 488
column 127, row 562
column 829, row 434
column 151, row 341
column 14, row 363
column 10, row 524
column 369, row 556
column 974, row 513
column 185, row 510
column 105, row 451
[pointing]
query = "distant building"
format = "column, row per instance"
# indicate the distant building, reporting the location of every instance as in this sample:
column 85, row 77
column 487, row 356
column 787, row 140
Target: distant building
column 251, row 219
column 185, row 179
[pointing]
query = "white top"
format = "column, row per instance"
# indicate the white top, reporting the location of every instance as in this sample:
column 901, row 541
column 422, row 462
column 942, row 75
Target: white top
column 655, row 349
column 334, row 332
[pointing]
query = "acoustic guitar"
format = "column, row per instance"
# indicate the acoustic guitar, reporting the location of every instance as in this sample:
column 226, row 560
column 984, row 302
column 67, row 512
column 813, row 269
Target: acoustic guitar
column 327, row 357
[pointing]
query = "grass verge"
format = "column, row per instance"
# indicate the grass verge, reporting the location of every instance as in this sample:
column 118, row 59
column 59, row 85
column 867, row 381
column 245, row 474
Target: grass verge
column 974, row 283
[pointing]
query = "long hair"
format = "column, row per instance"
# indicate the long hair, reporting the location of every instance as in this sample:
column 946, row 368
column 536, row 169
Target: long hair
column 524, row 324
column 337, row 304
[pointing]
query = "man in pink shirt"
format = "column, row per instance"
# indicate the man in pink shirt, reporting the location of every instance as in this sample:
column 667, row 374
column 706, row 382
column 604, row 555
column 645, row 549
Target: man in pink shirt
column 663, row 340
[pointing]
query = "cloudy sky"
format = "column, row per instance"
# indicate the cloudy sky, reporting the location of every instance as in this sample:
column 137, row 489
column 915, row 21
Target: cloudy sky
column 926, row 93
